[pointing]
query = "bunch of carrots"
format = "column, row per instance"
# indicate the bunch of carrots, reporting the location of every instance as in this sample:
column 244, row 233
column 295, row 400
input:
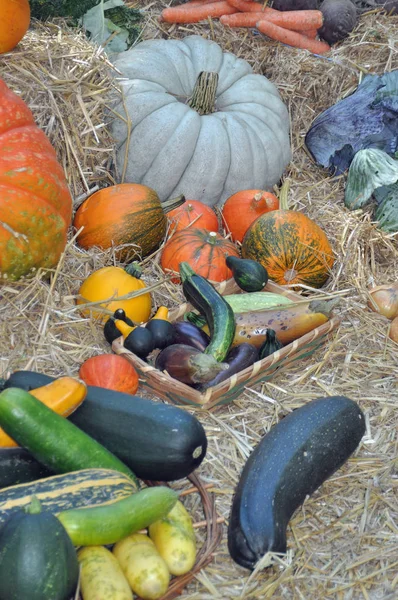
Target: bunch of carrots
column 297, row 28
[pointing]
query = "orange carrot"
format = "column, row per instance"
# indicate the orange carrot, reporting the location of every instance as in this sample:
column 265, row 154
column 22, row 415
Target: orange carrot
column 311, row 33
column 194, row 14
column 292, row 38
column 296, row 19
column 243, row 19
column 249, row 6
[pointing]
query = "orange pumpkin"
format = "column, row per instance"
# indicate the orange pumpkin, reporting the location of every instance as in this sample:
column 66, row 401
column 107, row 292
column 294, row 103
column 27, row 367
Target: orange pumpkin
column 14, row 23
column 128, row 213
column 193, row 214
column 35, row 203
column 292, row 247
column 244, row 207
column 110, row 371
column 115, row 283
column 205, row 251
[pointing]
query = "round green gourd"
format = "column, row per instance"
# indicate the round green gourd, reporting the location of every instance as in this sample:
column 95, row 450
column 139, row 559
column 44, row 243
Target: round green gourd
column 37, row 558
column 249, row 274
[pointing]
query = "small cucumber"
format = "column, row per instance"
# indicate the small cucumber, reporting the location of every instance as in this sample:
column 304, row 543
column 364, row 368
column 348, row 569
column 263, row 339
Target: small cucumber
column 51, row 439
column 256, row 301
column 218, row 313
column 290, row 462
column 107, row 524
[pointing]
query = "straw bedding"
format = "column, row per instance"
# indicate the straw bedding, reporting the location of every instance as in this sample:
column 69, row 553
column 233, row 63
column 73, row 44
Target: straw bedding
column 344, row 539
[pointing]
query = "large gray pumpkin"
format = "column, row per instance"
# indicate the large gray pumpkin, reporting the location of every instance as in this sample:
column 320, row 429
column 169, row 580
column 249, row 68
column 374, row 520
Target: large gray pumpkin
column 202, row 123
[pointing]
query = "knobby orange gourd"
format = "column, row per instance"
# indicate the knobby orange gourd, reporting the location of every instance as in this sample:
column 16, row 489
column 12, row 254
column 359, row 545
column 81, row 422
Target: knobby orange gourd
column 63, row 396
column 35, row 203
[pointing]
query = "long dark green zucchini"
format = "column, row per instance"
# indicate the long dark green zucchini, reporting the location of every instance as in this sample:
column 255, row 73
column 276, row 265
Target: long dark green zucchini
column 218, row 313
column 51, row 439
column 289, row 463
column 159, row 442
column 17, row 465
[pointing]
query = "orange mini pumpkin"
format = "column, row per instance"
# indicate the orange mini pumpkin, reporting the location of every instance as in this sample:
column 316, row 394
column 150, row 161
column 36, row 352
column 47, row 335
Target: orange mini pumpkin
column 110, row 371
column 128, row 213
column 292, row 247
column 244, row 207
column 193, row 214
column 14, row 23
column 205, row 251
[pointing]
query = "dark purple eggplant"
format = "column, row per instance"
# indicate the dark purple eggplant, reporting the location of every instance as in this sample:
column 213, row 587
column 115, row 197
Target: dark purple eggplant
column 190, row 335
column 187, row 364
column 239, row 358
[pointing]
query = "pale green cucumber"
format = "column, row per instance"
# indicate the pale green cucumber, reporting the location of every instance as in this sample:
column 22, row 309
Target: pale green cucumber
column 255, row 301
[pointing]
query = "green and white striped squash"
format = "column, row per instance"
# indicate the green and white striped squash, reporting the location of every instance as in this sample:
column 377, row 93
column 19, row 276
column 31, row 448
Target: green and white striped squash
column 202, row 123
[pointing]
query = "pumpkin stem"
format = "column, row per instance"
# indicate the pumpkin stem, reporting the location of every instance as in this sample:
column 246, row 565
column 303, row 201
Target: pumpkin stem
column 134, row 269
column 283, row 195
column 212, row 237
column 34, row 508
column 204, row 93
column 172, row 203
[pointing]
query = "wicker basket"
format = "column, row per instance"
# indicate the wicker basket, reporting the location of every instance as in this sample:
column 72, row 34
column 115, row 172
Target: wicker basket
column 213, row 537
column 168, row 388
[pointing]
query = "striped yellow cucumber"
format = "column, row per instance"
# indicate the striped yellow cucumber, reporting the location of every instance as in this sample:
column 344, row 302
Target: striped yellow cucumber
column 51, row 439
column 89, row 487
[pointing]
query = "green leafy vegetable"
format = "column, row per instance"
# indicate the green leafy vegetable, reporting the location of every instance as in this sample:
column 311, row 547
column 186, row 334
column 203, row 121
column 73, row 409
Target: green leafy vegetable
column 100, row 19
column 387, row 212
column 370, row 169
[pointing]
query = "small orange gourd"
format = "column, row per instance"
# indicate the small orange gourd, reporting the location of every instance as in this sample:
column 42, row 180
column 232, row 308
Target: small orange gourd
column 110, row 371
column 193, row 214
column 127, row 213
column 244, row 207
column 204, row 251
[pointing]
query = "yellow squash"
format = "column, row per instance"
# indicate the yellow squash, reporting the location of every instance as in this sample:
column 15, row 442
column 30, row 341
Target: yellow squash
column 144, row 568
column 101, row 577
column 174, row 538
column 288, row 322
column 63, row 396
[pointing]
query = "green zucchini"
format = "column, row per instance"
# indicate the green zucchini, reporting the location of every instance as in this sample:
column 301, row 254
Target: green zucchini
column 51, row 439
column 249, row 274
column 218, row 313
column 17, row 465
column 103, row 525
column 158, row 441
column 88, row 487
column 289, row 463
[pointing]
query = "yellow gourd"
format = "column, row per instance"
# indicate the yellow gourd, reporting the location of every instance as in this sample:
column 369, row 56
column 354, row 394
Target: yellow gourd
column 174, row 538
column 101, row 577
column 142, row 565
column 108, row 284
